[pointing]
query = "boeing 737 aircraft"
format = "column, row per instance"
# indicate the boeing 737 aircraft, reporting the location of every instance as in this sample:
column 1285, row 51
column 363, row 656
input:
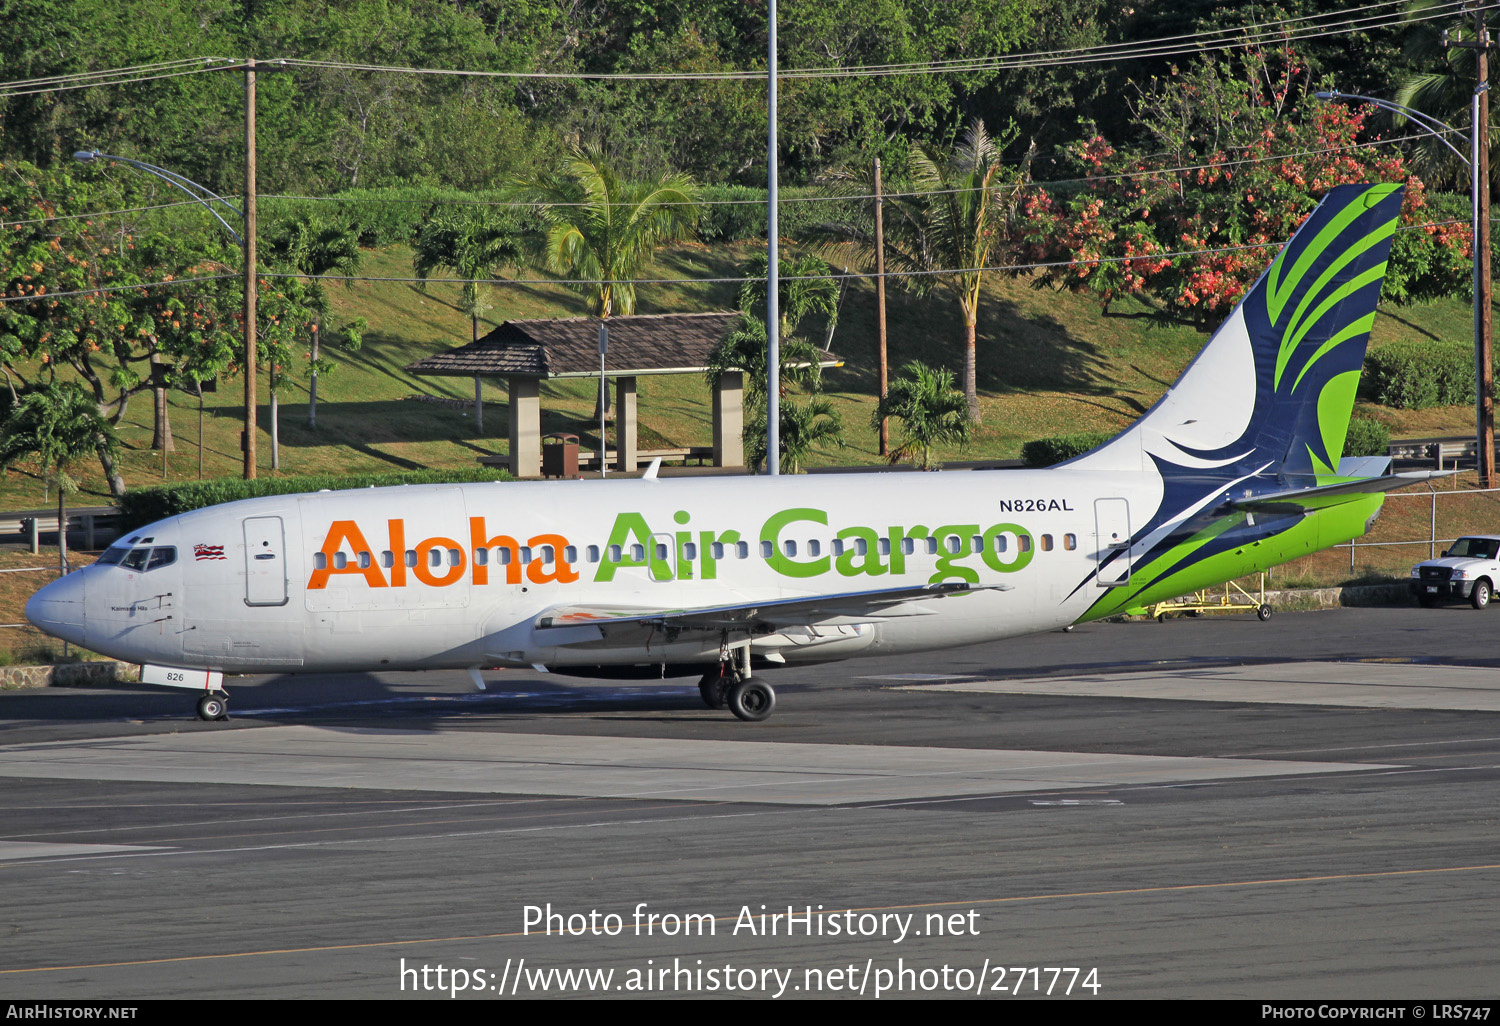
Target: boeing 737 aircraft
column 1237, row 468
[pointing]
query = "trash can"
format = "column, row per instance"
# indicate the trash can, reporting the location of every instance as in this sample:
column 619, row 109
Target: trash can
column 559, row 455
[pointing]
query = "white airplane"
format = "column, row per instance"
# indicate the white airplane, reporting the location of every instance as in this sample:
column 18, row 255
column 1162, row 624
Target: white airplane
column 1237, row 468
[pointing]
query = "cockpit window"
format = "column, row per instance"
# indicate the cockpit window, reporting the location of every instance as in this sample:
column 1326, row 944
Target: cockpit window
column 141, row 559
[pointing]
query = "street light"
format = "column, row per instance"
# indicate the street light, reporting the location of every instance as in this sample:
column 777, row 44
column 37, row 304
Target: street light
column 207, row 198
column 1484, row 385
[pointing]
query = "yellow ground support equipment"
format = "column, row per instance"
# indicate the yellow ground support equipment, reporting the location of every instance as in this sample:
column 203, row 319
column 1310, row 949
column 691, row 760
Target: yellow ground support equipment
column 1235, row 599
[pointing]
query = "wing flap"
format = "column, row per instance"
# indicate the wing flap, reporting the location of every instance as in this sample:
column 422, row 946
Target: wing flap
column 584, row 624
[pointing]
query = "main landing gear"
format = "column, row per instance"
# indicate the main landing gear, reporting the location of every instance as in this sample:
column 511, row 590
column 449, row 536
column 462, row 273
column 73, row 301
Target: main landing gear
column 213, row 707
column 730, row 685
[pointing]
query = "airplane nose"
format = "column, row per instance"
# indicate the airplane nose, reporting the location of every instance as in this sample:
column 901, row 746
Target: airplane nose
column 58, row 609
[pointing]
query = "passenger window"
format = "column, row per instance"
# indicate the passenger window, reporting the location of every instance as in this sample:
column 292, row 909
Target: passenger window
column 1070, row 542
column 742, row 549
column 571, row 552
column 593, row 551
column 1046, row 543
column 717, row 549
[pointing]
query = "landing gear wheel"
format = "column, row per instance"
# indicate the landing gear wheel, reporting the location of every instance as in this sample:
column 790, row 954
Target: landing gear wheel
column 1264, row 612
column 213, row 707
column 1480, row 596
column 714, row 688
column 752, row 700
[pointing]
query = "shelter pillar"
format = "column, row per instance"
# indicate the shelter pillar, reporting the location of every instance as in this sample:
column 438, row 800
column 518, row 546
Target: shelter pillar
column 625, row 424
column 525, row 426
column 729, row 420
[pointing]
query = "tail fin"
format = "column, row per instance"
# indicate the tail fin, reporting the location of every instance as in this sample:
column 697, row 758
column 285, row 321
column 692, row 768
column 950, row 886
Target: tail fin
column 1273, row 390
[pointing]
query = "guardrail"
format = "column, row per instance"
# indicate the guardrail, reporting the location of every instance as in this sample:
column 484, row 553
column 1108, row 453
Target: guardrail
column 88, row 525
column 1432, row 541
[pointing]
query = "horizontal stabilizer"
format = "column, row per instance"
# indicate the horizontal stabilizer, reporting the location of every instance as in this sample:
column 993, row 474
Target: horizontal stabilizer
column 1304, row 500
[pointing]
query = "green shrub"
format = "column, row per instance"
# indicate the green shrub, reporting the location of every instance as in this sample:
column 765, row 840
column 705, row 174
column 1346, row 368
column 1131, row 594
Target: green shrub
column 1418, row 375
column 1366, row 437
column 1044, row 452
column 140, row 506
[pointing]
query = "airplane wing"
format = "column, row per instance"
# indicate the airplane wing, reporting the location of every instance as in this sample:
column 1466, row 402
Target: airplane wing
column 1304, row 500
column 580, row 624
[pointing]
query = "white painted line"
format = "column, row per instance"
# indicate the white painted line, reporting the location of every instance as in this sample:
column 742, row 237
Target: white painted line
column 613, row 767
column 1355, row 685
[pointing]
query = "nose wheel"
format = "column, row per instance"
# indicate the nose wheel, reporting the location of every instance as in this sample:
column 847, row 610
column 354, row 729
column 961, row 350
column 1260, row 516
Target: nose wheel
column 213, row 707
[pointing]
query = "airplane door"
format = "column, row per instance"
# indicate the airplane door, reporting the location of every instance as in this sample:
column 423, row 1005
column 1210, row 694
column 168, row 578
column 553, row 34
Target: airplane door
column 265, row 562
column 1112, row 518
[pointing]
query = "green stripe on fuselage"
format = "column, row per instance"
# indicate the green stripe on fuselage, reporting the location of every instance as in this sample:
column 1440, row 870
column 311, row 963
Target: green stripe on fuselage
column 1157, row 582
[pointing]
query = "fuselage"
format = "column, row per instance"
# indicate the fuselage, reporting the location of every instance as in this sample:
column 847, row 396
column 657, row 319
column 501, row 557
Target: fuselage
column 461, row 575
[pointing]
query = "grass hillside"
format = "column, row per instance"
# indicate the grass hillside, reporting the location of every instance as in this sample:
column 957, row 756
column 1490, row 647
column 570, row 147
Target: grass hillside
column 1048, row 363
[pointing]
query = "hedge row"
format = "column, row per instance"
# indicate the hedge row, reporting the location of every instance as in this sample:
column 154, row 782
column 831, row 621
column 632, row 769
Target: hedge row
column 1367, row 437
column 730, row 213
column 1044, row 452
column 1417, row 375
column 140, row 506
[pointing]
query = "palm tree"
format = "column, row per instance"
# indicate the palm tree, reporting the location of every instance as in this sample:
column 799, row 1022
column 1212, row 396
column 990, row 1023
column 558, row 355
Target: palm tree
column 471, row 248
column 316, row 247
column 807, row 286
column 1441, row 85
column 929, row 410
column 58, row 423
column 805, row 426
column 601, row 230
column 945, row 232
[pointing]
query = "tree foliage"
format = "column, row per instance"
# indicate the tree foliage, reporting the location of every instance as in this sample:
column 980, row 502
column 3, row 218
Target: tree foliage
column 602, row 229
column 928, row 410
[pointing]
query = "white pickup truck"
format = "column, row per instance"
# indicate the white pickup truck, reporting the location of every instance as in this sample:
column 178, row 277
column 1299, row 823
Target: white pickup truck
column 1468, row 569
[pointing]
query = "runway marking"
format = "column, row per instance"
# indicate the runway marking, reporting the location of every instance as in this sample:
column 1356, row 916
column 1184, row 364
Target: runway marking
column 967, row 903
column 1361, row 685
column 615, row 767
column 49, row 849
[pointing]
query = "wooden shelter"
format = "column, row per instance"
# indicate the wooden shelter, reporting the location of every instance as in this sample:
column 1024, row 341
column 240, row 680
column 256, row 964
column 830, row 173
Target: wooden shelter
column 526, row 353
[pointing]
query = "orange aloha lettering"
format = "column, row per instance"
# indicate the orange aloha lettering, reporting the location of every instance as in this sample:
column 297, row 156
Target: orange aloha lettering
column 339, row 532
column 478, row 541
column 424, row 570
column 562, row 572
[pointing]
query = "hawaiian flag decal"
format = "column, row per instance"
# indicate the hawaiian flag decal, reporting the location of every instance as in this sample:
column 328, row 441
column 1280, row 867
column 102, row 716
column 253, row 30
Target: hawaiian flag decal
column 201, row 552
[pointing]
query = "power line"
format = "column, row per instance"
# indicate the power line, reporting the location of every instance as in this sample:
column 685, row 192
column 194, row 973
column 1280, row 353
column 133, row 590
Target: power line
column 843, row 276
column 44, row 296
column 1219, row 39
column 760, row 201
column 1334, row 23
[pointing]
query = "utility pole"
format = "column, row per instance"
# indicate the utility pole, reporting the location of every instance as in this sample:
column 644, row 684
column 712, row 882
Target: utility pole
column 252, row 284
column 885, row 422
column 1484, row 373
column 773, row 269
